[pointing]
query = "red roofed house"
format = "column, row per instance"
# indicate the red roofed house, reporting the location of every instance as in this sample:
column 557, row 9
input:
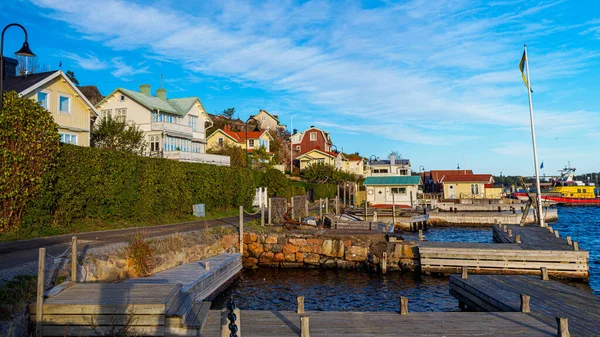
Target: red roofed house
column 318, row 156
column 466, row 186
column 255, row 139
column 311, row 139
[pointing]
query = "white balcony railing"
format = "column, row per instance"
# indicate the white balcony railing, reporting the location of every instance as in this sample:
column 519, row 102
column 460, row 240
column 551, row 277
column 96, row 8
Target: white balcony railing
column 164, row 126
column 198, row 157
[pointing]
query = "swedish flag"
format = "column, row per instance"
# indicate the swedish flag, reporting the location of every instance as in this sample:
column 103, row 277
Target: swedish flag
column 522, row 68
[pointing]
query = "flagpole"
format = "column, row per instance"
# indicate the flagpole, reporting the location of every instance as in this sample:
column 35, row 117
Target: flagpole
column 535, row 159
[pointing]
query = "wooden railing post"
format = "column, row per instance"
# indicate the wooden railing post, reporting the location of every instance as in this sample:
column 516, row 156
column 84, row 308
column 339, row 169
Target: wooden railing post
column 562, row 327
column 420, row 235
column 300, row 309
column 575, row 245
column 403, row 305
column 39, row 307
column 556, row 233
column 304, row 326
column 384, row 263
column 569, row 242
column 544, row 271
column 518, row 238
column 525, row 303
column 242, row 230
column 465, row 272
column 326, row 205
column 74, row 259
column 270, row 211
column 509, row 232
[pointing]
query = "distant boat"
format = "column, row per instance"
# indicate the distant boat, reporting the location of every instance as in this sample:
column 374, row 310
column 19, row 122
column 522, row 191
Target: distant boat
column 567, row 191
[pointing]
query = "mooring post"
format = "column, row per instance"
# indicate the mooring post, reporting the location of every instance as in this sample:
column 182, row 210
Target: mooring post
column 374, row 216
column 39, row 305
column 241, row 230
column 420, row 235
column 505, row 229
column 562, row 327
column 575, row 245
column 320, row 209
column 74, row 259
column 366, row 215
column 569, row 242
column 550, row 229
column 270, row 211
column 509, row 232
column 518, row 238
column 300, row 309
column 525, row 303
column 207, row 265
column 262, row 216
column 304, row 326
column 306, row 206
column 403, row 305
column 465, row 273
column 556, row 233
column 384, row 263
column 326, row 205
column 544, row 271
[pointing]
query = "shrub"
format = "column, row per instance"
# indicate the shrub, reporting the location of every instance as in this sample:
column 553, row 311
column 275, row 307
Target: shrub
column 140, row 256
column 15, row 293
column 276, row 183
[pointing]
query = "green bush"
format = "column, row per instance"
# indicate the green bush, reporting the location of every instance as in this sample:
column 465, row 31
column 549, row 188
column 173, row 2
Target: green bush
column 276, row 183
column 107, row 185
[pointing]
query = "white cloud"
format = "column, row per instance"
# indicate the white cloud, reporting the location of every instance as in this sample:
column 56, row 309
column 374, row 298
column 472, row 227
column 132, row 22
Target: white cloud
column 124, row 71
column 87, row 61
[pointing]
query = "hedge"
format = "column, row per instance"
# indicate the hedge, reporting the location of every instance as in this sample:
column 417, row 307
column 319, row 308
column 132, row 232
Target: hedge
column 91, row 183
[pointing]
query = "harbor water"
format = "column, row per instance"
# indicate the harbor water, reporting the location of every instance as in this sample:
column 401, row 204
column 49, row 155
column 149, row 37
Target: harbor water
column 349, row 290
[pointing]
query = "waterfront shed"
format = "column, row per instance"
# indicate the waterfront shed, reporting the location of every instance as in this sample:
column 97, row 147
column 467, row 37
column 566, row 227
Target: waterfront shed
column 401, row 190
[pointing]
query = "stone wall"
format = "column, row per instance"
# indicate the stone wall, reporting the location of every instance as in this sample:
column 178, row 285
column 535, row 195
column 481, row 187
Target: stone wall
column 314, row 251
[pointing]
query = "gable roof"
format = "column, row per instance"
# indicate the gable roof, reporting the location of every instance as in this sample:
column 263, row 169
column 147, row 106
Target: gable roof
column 353, row 157
column 27, row 83
column 265, row 111
column 325, row 134
column 477, row 178
column 393, row 180
column 92, row 93
column 231, row 135
column 437, row 175
column 328, row 154
column 240, row 136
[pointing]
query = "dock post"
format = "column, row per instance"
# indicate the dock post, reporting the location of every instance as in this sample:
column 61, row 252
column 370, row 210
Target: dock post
column 556, row 233
column 262, row 216
column 241, row 230
column 393, row 209
column 465, row 273
column 562, row 327
column 549, row 229
column 366, row 216
column 300, row 309
column 39, row 305
column 304, row 326
column 569, row 241
column 525, row 303
column 320, row 208
column 509, row 232
column 326, row 205
column 505, row 229
column 420, row 235
column 306, row 207
column 575, row 245
column 270, row 212
column 374, row 216
column 518, row 238
column 384, row 263
column 403, row 305
column 74, row 259
column 544, row 271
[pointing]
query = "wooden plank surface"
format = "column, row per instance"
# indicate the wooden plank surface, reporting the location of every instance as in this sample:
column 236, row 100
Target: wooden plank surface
column 549, row 299
column 533, row 237
column 466, row 245
column 350, row 324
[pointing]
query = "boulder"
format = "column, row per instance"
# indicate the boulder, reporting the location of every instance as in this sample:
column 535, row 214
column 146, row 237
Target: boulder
column 279, row 257
column 271, row 239
column 311, row 258
column 356, row 253
column 255, row 249
column 289, row 249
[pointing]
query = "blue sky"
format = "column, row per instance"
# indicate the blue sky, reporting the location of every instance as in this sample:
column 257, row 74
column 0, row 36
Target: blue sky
column 436, row 81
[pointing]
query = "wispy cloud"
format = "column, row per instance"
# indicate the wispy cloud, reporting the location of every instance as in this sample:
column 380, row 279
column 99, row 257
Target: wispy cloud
column 124, row 71
column 87, row 61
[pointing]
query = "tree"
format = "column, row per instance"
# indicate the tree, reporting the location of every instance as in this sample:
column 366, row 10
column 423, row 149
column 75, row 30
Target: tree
column 319, row 173
column 396, row 154
column 237, row 155
column 260, row 159
column 228, row 113
column 71, row 76
column 118, row 135
column 29, row 144
column 276, row 183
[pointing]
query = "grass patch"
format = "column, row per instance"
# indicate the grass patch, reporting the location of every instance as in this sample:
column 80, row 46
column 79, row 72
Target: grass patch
column 15, row 293
column 93, row 225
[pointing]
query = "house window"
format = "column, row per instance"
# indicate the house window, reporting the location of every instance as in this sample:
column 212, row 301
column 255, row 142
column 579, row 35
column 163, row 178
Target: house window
column 64, row 103
column 474, row 188
column 121, row 115
column 106, row 112
column 154, row 116
column 68, row 138
column 170, row 119
column 320, row 160
column 154, row 143
column 313, row 136
column 398, row 190
column 43, row 99
column 402, row 172
column 162, row 117
column 192, row 122
column 220, row 140
column 251, row 143
column 264, row 118
column 298, row 148
column 122, row 98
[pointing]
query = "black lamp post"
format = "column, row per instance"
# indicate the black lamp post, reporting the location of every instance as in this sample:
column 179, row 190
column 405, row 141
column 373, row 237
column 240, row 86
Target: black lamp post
column 24, row 51
column 256, row 129
column 336, row 150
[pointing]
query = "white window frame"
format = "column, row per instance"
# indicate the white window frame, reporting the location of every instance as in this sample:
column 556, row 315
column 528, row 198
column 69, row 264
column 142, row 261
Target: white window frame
column 313, row 136
column 71, row 136
column 399, row 190
column 264, row 118
column 118, row 115
column 105, row 112
column 70, row 98
column 220, row 141
column 48, row 94
column 251, row 143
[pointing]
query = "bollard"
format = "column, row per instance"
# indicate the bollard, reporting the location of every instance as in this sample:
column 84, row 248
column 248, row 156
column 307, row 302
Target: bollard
column 505, row 229
column 544, row 272
column 39, row 305
column 403, row 305
column 569, row 241
column 374, row 216
column 518, row 238
column 465, row 272
column 384, row 263
column 241, row 230
column 556, row 234
column 300, row 309
column 74, row 259
column 304, row 326
column 575, row 246
column 270, row 212
column 525, row 303
column 562, row 327
column 207, row 265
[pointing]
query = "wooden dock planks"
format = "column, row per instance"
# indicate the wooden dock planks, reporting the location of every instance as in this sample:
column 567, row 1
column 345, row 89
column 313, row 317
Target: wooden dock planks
column 532, row 237
column 415, row 324
column 549, row 299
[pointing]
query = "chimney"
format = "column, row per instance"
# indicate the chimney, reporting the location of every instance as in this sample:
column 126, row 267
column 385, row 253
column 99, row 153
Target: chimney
column 145, row 89
column 312, row 126
column 392, row 159
column 227, row 127
column 161, row 93
column 10, row 68
column 295, row 132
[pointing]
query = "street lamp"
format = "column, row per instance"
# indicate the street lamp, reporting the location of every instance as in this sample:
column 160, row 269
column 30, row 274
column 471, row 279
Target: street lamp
column 336, row 150
column 24, row 51
column 256, row 129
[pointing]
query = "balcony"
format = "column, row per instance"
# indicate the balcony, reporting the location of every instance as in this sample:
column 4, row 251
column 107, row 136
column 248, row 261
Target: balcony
column 194, row 157
column 177, row 129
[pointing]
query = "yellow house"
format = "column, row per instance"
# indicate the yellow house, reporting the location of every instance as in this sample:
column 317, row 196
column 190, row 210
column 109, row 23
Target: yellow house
column 254, row 140
column 269, row 122
column 354, row 164
column 466, row 186
column 70, row 109
column 318, row 156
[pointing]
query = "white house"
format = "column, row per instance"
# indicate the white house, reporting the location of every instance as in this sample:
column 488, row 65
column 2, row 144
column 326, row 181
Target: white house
column 173, row 128
column 389, row 190
column 391, row 167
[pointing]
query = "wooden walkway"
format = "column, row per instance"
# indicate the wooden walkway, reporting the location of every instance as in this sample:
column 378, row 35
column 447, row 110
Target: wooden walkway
column 168, row 303
column 354, row 324
column 548, row 299
column 531, row 237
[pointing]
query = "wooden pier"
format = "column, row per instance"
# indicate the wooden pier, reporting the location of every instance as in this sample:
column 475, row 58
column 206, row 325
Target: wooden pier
column 547, row 300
